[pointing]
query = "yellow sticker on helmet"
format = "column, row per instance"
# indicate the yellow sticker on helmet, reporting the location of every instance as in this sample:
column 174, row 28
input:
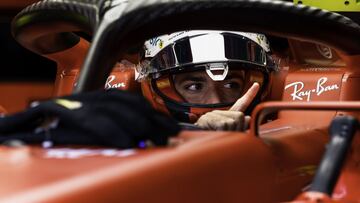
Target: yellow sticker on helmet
column 164, row 83
column 333, row 5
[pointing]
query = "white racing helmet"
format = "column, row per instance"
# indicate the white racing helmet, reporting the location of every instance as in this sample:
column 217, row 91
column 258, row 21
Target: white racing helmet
column 218, row 53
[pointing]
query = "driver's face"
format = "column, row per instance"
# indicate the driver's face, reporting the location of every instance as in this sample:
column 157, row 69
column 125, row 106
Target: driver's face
column 198, row 88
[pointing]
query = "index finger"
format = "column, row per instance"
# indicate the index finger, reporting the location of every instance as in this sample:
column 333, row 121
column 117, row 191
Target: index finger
column 242, row 103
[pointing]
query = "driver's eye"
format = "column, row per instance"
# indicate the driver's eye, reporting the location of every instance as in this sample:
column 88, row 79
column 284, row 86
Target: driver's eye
column 194, row 87
column 232, row 85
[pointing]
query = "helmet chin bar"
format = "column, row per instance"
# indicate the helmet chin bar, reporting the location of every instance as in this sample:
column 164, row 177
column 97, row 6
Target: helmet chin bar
column 213, row 68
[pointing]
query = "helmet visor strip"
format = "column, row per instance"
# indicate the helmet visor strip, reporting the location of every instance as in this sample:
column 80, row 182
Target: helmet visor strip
column 210, row 48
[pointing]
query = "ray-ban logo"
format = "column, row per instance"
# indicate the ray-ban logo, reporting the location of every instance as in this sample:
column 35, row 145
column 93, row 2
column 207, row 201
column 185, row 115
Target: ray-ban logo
column 299, row 93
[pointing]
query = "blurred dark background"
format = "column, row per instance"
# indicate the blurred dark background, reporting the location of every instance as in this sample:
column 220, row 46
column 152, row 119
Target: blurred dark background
column 19, row 64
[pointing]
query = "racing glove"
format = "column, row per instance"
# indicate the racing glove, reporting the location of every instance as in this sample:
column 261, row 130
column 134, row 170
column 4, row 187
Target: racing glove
column 232, row 119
